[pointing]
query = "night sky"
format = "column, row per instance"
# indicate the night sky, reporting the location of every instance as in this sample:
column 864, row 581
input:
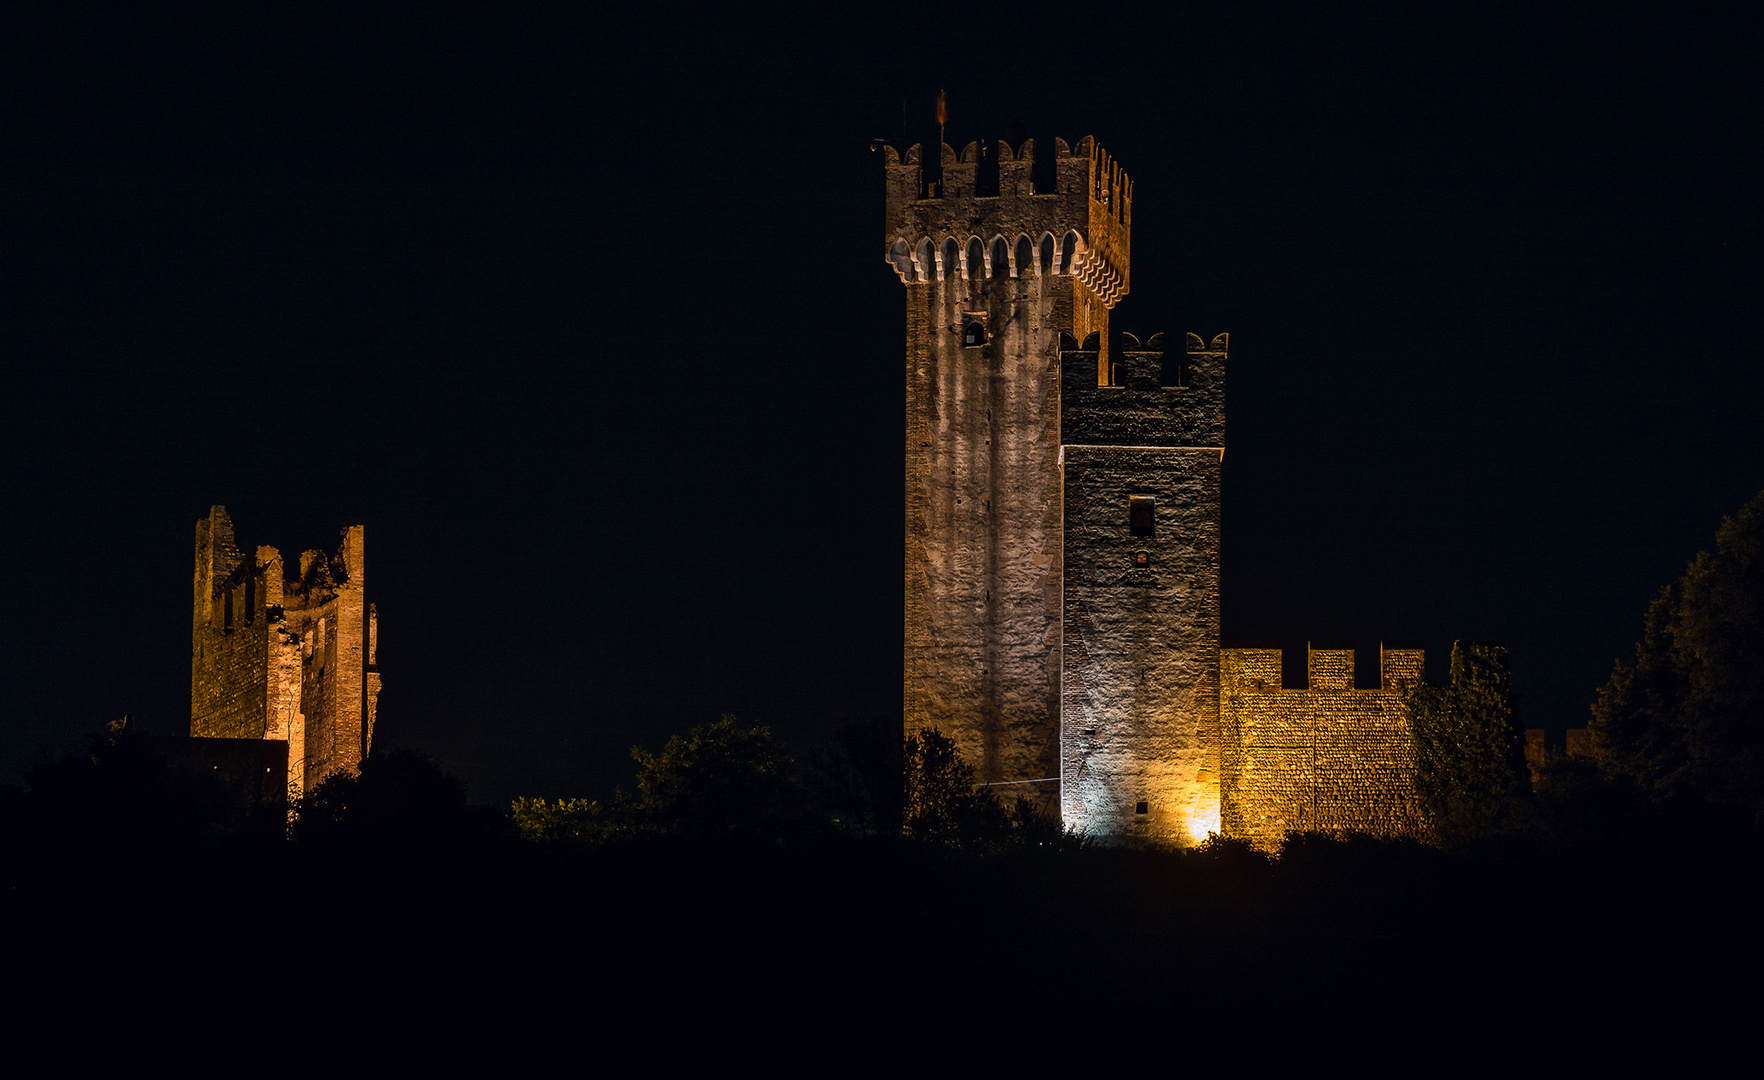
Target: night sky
column 585, row 318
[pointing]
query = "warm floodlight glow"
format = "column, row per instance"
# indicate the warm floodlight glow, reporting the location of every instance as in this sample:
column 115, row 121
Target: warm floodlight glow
column 1204, row 823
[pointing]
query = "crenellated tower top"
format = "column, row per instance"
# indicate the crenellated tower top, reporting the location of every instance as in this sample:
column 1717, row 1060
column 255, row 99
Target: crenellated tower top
column 961, row 226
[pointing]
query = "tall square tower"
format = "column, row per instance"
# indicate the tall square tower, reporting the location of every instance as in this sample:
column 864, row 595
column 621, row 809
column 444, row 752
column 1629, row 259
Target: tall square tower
column 1062, row 498
column 994, row 276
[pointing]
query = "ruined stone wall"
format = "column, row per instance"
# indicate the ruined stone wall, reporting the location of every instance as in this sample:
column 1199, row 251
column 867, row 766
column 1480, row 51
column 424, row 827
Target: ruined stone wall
column 991, row 283
column 1140, row 676
column 1328, row 758
column 327, row 629
column 229, row 635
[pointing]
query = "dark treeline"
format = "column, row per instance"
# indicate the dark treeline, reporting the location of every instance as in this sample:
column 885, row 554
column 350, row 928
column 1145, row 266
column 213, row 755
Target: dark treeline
column 872, row 882
column 795, row 911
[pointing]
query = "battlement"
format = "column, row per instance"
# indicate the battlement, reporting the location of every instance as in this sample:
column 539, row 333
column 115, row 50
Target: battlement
column 1140, row 394
column 1329, row 665
column 953, row 228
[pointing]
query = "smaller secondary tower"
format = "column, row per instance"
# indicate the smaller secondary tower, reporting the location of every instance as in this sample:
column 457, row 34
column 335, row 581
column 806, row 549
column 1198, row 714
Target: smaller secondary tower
column 286, row 658
column 1140, row 458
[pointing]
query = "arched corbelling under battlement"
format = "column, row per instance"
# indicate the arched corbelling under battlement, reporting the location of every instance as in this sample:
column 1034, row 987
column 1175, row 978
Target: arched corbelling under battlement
column 978, row 259
column 1100, row 277
column 1071, row 251
column 900, row 257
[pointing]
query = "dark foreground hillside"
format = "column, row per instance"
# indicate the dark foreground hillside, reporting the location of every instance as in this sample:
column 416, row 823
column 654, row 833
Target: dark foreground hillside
column 715, row 914
column 885, row 944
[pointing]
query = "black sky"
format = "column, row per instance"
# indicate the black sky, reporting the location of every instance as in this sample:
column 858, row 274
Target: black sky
column 584, row 316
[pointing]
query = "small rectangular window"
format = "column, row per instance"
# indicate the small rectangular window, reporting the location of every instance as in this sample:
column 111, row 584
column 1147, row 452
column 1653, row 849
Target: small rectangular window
column 1142, row 808
column 1142, row 515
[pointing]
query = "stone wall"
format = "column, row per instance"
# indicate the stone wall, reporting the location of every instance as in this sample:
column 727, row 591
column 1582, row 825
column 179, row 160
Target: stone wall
column 1140, row 675
column 1327, row 758
column 229, row 636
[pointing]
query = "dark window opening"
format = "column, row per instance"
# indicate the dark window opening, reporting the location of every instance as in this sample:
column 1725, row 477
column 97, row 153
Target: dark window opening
column 1142, row 515
column 973, row 334
column 1142, row 807
column 1024, row 256
column 976, row 260
column 1175, row 371
column 1068, row 253
column 1001, row 259
column 1047, row 252
column 951, row 259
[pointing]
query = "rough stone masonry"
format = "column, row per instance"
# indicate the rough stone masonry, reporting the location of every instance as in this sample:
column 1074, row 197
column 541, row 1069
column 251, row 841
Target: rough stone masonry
column 284, row 656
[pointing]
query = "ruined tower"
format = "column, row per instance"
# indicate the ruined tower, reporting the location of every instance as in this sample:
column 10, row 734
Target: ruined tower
column 994, row 276
column 285, row 657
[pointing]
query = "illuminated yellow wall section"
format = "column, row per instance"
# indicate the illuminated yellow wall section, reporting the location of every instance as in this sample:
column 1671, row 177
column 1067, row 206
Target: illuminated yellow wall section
column 1328, row 758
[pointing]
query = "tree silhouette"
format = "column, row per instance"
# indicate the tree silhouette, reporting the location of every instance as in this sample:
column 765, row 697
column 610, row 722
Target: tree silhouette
column 857, row 775
column 943, row 804
column 1685, row 718
column 558, row 819
column 399, row 797
column 726, row 779
column 1469, row 756
column 123, row 792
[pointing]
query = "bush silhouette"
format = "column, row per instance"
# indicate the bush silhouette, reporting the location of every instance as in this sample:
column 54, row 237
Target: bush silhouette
column 723, row 779
column 400, row 796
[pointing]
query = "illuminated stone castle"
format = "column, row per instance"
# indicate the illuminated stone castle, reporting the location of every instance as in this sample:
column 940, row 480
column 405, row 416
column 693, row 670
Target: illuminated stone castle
column 1062, row 535
column 284, row 657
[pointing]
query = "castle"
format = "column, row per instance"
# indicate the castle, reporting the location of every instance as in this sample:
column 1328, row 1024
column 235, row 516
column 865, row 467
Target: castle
column 1062, row 535
column 282, row 657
